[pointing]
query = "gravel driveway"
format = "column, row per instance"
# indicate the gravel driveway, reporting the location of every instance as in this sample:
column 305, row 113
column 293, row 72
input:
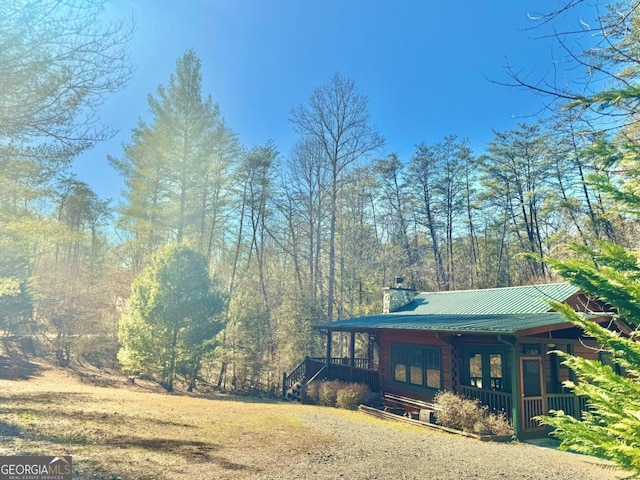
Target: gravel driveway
column 368, row 449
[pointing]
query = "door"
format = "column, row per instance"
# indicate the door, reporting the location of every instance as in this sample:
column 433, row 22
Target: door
column 532, row 388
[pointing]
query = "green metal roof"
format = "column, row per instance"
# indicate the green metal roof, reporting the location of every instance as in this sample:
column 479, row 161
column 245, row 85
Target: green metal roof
column 509, row 310
column 509, row 324
column 508, row 300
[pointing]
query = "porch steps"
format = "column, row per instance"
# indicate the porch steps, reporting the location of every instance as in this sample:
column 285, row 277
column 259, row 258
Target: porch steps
column 294, row 393
column 293, row 385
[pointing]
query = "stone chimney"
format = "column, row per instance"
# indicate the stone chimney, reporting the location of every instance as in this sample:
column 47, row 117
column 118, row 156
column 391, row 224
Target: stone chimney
column 394, row 298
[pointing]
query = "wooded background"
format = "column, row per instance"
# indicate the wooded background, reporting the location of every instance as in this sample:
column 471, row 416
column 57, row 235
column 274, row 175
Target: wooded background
column 293, row 239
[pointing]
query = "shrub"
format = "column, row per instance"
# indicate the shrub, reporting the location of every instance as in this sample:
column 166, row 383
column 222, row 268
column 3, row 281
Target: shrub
column 336, row 393
column 352, row 395
column 498, row 424
column 469, row 415
column 448, row 410
column 472, row 415
column 328, row 392
column 310, row 393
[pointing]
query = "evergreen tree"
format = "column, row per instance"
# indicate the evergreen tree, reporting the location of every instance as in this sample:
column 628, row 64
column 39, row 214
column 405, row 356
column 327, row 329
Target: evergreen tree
column 424, row 167
column 516, row 177
column 175, row 167
column 170, row 323
column 396, row 212
column 610, row 426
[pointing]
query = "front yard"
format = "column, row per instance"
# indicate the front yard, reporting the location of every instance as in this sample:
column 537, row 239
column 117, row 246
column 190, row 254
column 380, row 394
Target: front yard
column 138, row 432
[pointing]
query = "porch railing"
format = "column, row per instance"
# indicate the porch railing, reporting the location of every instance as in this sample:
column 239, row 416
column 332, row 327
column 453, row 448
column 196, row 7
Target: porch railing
column 339, row 369
column 306, row 370
column 357, row 362
column 532, row 407
column 502, row 402
column 570, row 404
column 497, row 401
column 294, row 377
column 354, row 374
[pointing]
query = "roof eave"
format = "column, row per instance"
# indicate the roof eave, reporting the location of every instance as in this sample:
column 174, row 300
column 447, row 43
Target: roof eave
column 427, row 330
column 527, row 332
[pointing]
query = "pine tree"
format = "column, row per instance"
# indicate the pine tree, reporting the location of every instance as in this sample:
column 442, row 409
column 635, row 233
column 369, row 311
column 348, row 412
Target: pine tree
column 516, row 177
column 175, row 166
column 610, row 428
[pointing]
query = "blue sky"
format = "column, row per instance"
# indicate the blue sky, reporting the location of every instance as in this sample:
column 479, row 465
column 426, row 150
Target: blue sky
column 426, row 66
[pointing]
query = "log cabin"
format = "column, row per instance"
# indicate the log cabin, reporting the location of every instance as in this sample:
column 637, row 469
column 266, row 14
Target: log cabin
column 495, row 345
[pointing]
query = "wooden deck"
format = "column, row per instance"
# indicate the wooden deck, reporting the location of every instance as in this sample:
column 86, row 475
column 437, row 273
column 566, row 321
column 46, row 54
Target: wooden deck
column 338, row 369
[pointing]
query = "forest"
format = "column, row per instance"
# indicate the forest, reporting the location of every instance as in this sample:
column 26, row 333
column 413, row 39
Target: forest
column 262, row 245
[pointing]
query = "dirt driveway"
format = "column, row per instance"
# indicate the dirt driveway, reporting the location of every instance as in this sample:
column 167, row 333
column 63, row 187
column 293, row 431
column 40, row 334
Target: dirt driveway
column 367, row 449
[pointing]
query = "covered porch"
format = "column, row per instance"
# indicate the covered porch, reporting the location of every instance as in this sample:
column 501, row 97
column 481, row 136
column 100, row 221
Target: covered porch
column 513, row 372
column 501, row 402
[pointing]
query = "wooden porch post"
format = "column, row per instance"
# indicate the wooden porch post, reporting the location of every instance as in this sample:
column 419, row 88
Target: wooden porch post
column 516, row 395
column 370, row 341
column 456, row 364
column 352, row 353
column 516, row 400
column 352, row 349
column 329, row 336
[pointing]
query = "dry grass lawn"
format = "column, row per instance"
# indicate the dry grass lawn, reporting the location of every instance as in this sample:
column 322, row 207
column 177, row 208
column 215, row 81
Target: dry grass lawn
column 115, row 430
column 135, row 431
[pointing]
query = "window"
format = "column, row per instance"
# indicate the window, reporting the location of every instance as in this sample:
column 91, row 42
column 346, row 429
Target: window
column 484, row 368
column 495, row 365
column 434, row 374
column 400, row 372
column 416, row 370
column 475, row 370
column 417, row 366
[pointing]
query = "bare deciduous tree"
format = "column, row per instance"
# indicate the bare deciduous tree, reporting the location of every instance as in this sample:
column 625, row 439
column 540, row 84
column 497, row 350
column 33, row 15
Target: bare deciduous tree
column 337, row 117
column 58, row 60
